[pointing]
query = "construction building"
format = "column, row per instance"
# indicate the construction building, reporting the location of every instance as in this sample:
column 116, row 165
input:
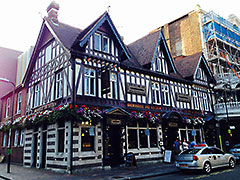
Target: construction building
column 219, row 40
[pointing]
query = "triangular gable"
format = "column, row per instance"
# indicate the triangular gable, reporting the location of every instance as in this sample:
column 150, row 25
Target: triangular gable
column 163, row 49
column 92, row 28
column 44, row 34
column 203, row 63
column 117, row 111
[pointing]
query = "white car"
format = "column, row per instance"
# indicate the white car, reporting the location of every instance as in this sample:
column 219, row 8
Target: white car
column 204, row 158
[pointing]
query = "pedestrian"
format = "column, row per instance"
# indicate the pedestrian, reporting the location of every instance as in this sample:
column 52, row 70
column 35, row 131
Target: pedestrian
column 193, row 143
column 180, row 146
column 176, row 148
column 204, row 142
column 184, row 144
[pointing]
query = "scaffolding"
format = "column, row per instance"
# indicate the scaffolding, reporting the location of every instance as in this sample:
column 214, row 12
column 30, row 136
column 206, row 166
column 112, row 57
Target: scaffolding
column 221, row 46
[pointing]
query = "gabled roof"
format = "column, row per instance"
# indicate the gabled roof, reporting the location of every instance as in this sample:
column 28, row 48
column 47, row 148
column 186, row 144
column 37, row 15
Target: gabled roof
column 92, row 28
column 187, row 66
column 143, row 49
column 66, row 34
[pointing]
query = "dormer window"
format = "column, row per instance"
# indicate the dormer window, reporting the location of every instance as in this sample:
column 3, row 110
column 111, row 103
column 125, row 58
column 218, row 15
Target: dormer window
column 101, row 43
column 105, row 44
column 97, row 42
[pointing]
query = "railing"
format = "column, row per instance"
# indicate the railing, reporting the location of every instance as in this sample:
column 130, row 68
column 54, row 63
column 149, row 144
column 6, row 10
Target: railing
column 232, row 108
column 226, row 77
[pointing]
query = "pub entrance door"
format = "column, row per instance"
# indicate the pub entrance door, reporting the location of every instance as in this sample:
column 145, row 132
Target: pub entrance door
column 113, row 145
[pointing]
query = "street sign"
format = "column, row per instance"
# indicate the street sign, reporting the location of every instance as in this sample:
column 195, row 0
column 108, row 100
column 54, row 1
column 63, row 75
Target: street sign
column 9, row 151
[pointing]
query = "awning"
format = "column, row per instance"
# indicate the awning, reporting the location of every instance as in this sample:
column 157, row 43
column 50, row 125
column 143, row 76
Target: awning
column 172, row 115
column 208, row 118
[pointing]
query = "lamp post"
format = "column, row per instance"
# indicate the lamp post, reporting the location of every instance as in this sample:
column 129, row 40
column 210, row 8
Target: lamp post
column 13, row 93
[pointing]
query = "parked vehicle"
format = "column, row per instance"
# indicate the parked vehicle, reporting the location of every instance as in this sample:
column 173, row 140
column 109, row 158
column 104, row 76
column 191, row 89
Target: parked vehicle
column 235, row 150
column 204, row 158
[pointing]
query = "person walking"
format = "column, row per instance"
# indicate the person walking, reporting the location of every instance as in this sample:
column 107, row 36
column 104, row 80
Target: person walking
column 184, row 144
column 176, row 148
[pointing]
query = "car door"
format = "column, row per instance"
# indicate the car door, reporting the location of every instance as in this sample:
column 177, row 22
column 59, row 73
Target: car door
column 207, row 154
column 220, row 158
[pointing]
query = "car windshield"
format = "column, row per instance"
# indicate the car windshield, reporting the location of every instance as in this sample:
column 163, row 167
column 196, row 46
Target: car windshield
column 191, row 151
column 236, row 146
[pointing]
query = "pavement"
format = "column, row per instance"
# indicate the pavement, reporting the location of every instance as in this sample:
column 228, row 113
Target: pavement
column 144, row 171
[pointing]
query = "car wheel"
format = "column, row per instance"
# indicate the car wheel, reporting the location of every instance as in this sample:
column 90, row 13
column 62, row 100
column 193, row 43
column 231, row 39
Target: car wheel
column 231, row 163
column 207, row 167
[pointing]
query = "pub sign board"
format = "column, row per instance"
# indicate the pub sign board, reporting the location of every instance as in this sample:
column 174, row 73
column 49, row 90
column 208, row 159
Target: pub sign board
column 136, row 89
column 183, row 97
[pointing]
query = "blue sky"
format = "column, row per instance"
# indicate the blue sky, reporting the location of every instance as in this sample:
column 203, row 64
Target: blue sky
column 21, row 20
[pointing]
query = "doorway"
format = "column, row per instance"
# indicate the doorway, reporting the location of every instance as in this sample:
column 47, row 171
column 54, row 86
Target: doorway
column 44, row 146
column 113, row 146
column 34, row 153
column 170, row 135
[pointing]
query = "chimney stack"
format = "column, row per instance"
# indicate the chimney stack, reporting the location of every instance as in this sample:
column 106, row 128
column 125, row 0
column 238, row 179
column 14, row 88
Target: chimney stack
column 52, row 11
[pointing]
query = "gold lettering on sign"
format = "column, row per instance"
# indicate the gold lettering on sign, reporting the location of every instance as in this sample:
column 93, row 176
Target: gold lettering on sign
column 116, row 122
column 44, row 107
column 172, row 124
column 135, row 105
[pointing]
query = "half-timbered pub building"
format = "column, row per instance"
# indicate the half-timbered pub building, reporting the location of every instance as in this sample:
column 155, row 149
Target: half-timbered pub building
column 92, row 99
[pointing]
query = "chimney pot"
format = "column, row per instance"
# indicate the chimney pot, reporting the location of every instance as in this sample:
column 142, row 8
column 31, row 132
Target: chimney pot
column 52, row 11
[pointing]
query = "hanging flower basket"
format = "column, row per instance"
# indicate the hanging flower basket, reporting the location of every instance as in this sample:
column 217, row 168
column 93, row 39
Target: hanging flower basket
column 146, row 115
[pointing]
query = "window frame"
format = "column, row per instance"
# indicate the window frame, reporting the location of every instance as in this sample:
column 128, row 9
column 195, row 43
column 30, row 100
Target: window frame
column 155, row 91
column 36, row 99
column 19, row 102
column 88, row 77
column 139, row 128
column 16, row 138
column 113, row 86
column 195, row 100
column 7, row 108
column 103, row 44
column 21, row 141
column 60, row 140
column 4, row 139
column 99, row 48
column 58, row 85
column 165, row 95
column 93, row 149
column 205, row 102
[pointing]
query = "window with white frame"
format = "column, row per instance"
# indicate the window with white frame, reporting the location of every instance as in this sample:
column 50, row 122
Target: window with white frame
column 97, row 42
column 37, row 95
column 21, row 141
column 113, row 86
column 7, row 108
column 4, row 139
column 165, row 95
column 59, row 85
column 201, row 75
column 19, row 102
column 205, row 102
column 60, row 136
column 106, row 45
column 89, row 82
column 16, row 138
column 195, row 100
column 161, row 64
column 48, row 53
column 87, row 138
column 142, row 135
column 156, row 93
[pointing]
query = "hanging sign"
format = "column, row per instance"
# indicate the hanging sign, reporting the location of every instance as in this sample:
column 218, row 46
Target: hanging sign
column 91, row 131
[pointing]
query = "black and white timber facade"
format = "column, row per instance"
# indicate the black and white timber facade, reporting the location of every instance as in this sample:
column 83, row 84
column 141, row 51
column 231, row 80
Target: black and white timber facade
column 94, row 68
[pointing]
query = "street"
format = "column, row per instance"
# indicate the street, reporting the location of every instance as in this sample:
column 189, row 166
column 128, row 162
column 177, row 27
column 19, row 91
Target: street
column 216, row 174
